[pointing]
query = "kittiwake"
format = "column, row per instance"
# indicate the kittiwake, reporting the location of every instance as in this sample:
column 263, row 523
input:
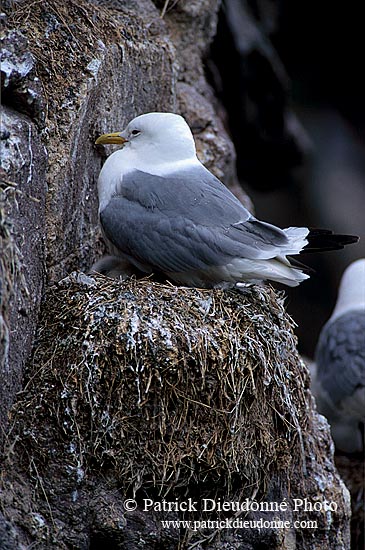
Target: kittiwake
column 163, row 212
column 339, row 374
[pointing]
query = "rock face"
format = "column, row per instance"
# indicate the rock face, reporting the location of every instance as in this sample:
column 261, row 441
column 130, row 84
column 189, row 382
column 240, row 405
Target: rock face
column 22, row 262
column 70, row 72
column 253, row 85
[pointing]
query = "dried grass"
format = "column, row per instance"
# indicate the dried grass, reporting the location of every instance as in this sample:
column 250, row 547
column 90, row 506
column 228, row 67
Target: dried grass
column 164, row 387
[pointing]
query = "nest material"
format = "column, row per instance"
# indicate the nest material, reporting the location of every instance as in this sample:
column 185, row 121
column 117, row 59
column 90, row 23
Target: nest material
column 166, row 387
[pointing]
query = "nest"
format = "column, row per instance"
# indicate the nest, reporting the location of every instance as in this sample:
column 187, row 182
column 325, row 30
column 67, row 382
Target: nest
column 164, row 387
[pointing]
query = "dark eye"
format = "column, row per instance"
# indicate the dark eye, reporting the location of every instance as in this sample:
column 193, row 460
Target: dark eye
column 134, row 132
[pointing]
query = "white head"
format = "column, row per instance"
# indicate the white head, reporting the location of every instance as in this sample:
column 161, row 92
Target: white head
column 156, row 143
column 155, row 138
column 351, row 294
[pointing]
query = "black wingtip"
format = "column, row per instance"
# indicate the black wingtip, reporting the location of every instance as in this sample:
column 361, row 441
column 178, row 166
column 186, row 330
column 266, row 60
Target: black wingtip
column 324, row 240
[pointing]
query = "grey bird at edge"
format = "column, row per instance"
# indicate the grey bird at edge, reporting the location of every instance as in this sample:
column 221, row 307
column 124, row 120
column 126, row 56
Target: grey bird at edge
column 338, row 381
column 163, row 212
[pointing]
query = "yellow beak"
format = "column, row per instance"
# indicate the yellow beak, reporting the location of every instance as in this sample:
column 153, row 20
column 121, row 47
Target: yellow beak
column 107, row 139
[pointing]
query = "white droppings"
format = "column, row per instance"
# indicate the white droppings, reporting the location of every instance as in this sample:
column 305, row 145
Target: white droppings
column 11, row 159
column 205, row 305
column 134, row 329
column 80, row 474
column 83, row 279
column 100, row 45
column 93, row 67
column 39, row 520
column 30, row 172
column 19, row 67
column 157, row 324
column 210, row 136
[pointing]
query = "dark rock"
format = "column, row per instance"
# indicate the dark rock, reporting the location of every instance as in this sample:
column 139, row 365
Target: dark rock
column 9, row 539
column 22, row 229
column 254, row 86
column 20, row 87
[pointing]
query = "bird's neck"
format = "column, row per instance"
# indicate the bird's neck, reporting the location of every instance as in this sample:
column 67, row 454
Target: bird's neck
column 151, row 161
column 168, row 167
column 350, row 299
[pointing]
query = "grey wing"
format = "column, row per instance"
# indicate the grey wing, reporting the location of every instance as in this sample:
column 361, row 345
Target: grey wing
column 340, row 356
column 183, row 222
column 156, row 240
